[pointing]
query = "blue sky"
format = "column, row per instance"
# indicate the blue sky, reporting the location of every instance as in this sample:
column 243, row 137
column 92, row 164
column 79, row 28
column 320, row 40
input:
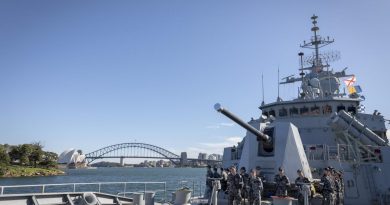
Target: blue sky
column 87, row 74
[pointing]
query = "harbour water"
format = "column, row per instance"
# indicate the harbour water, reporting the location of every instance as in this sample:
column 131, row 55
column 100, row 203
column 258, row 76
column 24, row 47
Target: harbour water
column 193, row 178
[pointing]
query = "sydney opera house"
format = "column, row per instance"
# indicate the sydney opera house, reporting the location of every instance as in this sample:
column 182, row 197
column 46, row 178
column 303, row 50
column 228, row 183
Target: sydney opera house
column 72, row 158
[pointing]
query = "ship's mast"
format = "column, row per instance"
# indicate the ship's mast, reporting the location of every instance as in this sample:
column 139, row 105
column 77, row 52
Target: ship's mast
column 317, row 82
column 316, row 42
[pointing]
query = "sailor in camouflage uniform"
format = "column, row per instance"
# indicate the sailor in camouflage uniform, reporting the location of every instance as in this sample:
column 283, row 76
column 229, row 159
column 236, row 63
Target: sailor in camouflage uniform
column 255, row 188
column 300, row 181
column 245, row 179
column 235, row 185
column 339, row 185
column 328, row 188
column 282, row 182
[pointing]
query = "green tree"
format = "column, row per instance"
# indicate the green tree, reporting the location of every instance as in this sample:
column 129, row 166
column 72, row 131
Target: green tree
column 36, row 154
column 49, row 159
column 15, row 153
column 25, row 151
column 4, row 157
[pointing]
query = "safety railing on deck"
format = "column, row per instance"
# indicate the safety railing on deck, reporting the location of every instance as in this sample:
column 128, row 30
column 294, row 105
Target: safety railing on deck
column 109, row 187
column 342, row 152
column 116, row 188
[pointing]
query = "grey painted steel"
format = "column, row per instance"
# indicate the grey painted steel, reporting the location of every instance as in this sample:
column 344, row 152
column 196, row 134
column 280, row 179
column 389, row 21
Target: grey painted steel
column 246, row 126
column 332, row 125
column 362, row 128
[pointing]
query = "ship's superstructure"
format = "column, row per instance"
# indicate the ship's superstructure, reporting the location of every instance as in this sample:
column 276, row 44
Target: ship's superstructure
column 322, row 127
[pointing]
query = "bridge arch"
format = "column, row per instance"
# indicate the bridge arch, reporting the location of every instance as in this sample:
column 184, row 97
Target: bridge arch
column 127, row 150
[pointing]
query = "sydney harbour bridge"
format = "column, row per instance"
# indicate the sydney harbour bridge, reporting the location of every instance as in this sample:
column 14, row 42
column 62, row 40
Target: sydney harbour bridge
column 143, row 150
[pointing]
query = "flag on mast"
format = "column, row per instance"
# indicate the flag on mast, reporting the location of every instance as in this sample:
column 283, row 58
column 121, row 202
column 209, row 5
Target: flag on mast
column 350, row 81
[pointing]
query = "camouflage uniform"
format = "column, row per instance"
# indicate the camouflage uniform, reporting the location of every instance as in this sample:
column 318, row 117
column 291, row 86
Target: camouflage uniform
column 281, row 185
column 298, row 182
column 234, row 188
column 245, row 188
column 339, row 186
column 255, row 189
column 328, row 190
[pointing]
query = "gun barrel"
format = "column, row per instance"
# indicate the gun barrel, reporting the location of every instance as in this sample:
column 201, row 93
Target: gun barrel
column 243, row 124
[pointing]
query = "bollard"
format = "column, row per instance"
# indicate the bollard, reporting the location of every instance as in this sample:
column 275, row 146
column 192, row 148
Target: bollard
column 149, row 197
column 138, row 198
column 183, row 197
column 173, row 198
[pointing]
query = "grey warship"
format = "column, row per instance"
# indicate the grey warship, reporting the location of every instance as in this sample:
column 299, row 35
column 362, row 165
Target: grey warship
column 323, row 127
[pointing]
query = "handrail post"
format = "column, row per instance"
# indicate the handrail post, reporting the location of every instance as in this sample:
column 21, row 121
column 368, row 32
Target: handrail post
column 193, row 187
column 2, row 190
column 165, row 191
column 144, row 189
column 124, row 190
column 74, row 187
column 99, row 187
column 43, row 189
column 200, row 189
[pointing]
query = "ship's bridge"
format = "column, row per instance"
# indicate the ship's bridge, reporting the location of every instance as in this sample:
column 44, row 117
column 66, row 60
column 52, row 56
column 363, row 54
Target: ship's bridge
column 315, row 107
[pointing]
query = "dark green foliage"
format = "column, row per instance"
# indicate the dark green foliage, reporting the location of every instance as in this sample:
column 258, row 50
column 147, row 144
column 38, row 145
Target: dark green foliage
column 4, row 157
column 36, row 154
column 49, row 160
column 26, row 155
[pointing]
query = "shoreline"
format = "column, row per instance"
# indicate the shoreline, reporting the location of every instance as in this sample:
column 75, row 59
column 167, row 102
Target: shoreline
column 20, row 171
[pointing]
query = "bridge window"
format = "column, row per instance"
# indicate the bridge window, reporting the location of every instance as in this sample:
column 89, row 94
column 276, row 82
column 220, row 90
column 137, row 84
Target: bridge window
column 315, row 110
column 341, row 107
column 272, row 112
column 265, row 113
column 293, row 111
column 327, row 109
column 304, row 111
column 352, row 110
column 283, row 112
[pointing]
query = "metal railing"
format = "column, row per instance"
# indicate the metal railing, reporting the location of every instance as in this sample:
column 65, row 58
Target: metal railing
column 75, row 187
column 115, row 188
column 341, row 152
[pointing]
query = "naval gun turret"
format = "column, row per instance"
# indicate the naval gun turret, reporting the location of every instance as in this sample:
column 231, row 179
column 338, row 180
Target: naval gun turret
column 257, row 133
column 289, row 152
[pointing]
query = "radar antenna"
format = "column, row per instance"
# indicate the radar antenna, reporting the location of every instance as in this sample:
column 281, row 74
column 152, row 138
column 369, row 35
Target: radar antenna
column 315, row 43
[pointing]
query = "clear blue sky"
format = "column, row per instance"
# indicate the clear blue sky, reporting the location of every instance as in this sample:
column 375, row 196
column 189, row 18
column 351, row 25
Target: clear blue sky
column 88, row 74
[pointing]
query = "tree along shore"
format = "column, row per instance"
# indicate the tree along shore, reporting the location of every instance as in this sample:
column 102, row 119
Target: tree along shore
column 27, row 160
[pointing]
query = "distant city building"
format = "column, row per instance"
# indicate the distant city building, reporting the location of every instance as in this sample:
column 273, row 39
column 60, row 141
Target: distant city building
column 202, row 156
column 215, row 157
column 183, row 159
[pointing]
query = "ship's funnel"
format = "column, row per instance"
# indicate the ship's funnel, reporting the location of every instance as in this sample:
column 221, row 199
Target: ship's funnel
column 243, row 124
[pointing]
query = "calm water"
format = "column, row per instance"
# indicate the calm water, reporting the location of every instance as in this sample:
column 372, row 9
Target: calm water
column 174, row 177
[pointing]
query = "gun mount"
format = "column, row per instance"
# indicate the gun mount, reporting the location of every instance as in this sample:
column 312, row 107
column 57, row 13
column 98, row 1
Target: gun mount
column 243, row 124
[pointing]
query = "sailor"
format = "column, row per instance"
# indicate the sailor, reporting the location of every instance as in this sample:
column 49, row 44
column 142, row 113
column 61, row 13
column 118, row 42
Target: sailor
column 224, row 175
column 245, row 179
column 260, row 174
column 209, row 182
column 234, row 186
column 300, row 181
column 339, row 185
column 328, row 188
column 282, row 182
column 216, row 179
column 216, row 174
column 255, row 188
